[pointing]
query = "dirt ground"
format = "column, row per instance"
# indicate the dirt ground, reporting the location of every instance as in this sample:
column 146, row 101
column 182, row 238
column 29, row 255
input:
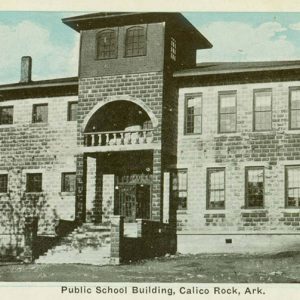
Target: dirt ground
column 222, row 268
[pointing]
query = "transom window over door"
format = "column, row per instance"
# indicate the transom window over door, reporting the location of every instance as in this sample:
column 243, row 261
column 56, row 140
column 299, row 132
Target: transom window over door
column 227, row 112
column 216, row 188
column 263, row 110
column 135, row 44
column 107, row 44
column 292, row 174
column 193, row 114
column 254, row 187
column 294, row 108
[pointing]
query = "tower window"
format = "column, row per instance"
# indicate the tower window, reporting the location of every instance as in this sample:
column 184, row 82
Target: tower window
column 173, row 49
column 107, row 44
column 135, row 41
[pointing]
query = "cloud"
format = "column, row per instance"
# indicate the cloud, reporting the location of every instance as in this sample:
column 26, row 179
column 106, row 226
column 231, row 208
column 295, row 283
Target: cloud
column 295, row 26
column 238, row 41
column 50, row 60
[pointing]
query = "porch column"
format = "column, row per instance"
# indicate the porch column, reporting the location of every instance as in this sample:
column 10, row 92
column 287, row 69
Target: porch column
column 108, row 197
column 80, row 194
column 156, row 187
column 90, row 188
column 166, row 198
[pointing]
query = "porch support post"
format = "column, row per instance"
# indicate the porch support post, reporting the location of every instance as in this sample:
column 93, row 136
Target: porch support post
column 90, row 188
column 80, row 188
column 166, row 198
column 116, row 236
column 156, row 186
column 108, row 197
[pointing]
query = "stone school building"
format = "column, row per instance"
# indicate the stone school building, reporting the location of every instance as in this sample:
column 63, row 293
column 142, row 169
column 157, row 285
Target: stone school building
column 147, row 152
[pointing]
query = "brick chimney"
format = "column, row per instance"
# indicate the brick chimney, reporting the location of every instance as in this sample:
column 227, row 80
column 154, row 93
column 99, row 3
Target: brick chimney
column 26, row 64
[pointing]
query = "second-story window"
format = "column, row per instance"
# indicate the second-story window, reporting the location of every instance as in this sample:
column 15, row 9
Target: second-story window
column 294, row 108
column 227, row 112
column 6, row 115
column 193, row 114
column 263, row 110
column 40, row 113
column 173, row 49
column 135, row 44
column 107, row 44
column 179, row 188
column 72, row 111
column 3, row 183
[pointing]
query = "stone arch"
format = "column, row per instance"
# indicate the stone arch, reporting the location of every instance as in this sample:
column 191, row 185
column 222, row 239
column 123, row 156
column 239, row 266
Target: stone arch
column 138, row 102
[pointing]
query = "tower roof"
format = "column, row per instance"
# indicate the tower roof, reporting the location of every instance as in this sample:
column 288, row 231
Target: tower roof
column 111, row 19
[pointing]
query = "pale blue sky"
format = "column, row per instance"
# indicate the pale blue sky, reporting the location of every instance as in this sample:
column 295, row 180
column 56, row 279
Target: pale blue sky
column 54, row 46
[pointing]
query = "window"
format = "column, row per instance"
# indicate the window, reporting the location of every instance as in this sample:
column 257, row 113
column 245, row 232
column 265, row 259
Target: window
column 262, row 110
column 254, row 187
column 179, row 188
column 173, row 49
column 227, row 112
column 216, row 188
column 6, row 115
column 72, row 111
column 40, row 113
column 107, row 44
column 3, row 183
column 34, row 182
column 294, row 108
column 68, row 183
column 135, row 41
column 292, row 175
column 193, row 114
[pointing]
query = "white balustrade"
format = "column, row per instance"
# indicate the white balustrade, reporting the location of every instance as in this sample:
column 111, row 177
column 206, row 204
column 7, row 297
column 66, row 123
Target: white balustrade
column 116, row 138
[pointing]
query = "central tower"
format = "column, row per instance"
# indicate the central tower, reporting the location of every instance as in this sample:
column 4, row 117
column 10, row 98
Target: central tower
column 127, row 110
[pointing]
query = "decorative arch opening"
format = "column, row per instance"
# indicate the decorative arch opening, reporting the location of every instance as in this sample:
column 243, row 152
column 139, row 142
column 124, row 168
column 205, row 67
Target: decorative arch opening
column 119, row 122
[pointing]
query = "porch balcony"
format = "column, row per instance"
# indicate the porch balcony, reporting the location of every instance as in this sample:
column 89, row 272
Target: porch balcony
column 118, row 138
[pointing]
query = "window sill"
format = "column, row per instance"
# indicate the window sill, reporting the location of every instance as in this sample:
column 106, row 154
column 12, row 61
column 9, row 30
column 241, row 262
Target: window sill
column 292, row 131
column 42, row 124
column 33, row 193
column 224, row 134
column 248, row 209
column 219, row 210
column 7, row 125
column 66, row 193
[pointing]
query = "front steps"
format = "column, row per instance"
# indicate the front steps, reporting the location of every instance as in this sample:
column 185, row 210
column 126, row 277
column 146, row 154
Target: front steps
column 87, row 244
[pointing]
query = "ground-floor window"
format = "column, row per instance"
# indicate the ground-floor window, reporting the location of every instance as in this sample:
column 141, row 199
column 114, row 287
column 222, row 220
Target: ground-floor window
column 179, row 188
column 254, row 187
column 3, row 183
column 34, row 182
column 292, row 174
column 68, row 182
column 216, row 188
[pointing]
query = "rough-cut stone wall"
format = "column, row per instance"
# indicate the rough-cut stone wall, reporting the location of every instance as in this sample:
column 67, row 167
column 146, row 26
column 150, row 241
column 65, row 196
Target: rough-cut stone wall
column 28, row 147
column 272, row 150
column 145, row 87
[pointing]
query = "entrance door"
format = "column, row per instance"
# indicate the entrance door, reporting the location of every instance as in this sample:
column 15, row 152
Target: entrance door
column 133, row 201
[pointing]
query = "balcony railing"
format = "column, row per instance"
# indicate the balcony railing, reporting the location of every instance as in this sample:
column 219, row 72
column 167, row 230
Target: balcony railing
column 115, row 138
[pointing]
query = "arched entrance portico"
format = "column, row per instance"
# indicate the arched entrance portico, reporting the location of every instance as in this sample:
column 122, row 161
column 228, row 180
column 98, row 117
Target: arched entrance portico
column 119, row 147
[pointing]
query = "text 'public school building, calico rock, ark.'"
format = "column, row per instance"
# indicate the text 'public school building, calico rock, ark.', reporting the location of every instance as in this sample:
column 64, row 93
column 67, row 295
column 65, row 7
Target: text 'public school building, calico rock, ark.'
column 146, row 152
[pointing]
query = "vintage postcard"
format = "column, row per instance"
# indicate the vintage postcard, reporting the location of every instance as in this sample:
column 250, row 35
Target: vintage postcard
column 150, row 152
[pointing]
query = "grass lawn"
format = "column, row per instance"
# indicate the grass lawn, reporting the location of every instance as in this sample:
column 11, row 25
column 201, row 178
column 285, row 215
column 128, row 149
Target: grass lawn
column 237, row 268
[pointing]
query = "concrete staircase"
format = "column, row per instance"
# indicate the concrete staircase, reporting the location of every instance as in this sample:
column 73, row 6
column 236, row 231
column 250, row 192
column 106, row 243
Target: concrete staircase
column 87, row 244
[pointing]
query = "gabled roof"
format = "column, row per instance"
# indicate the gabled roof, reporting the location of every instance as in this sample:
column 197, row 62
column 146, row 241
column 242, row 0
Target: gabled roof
column 215, row 68
column 102, row 20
